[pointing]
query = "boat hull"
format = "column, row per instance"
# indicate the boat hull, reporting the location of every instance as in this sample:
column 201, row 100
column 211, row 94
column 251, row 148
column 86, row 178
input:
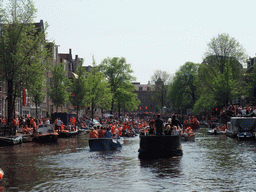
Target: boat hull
column 104, row 144
column 164, row 146
column 10, row 140
column 45, row 138
column 68, row 134
column 186, row 138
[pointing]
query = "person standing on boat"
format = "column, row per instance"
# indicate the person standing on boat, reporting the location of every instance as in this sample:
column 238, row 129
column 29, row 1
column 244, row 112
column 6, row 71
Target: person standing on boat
column 59, row 122
column 159, row 124
column 151, row 127
column 108, row 134
column 175, row 121
column 101, row 133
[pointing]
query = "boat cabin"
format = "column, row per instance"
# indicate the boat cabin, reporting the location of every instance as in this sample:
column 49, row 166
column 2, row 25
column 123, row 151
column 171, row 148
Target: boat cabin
column 238, row 125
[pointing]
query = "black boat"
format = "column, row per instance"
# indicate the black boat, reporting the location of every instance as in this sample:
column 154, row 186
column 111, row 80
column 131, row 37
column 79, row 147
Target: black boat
column 164, row 146
column 105, row 144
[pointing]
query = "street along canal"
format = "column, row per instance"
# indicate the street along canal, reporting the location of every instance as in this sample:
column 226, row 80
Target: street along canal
column 211, row 163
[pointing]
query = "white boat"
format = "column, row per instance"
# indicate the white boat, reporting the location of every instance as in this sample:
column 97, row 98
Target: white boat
column 45, row 133
column 10, row 140
column 216, row 132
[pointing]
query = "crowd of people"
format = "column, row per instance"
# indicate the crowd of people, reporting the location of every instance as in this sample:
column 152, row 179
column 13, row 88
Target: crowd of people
column 26, row 125
column 132, row 125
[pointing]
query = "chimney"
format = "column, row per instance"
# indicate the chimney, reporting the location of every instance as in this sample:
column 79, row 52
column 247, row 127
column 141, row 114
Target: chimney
column 70, row 55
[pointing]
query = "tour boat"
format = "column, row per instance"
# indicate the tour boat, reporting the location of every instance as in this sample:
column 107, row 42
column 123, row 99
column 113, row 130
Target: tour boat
column 105, row 144
column 241, row 127
column 159, row 146
column 45, row 133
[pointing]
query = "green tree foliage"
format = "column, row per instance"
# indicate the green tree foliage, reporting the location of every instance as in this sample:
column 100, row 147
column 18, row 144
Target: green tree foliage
column 126, row 99
column 59, row 86
column 118, row 73
column 161, row 80
column 220, row 90
column 251, row 87
column 35, row 92
column 221, row 73
column 98, row 89
column 182, row 91
column 78, row 89
column 21, row 49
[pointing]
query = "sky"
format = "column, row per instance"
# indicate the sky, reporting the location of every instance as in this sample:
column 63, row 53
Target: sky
column 151, row 34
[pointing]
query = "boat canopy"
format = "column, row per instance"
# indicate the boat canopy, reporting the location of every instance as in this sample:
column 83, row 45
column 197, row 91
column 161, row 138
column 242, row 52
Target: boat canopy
column 244, row 123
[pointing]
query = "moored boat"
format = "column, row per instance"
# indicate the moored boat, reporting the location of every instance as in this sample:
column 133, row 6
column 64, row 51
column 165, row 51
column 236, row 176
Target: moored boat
column 164, row 146
column 105, row 144
column 45, row 133
column 241, row 127
column 10, row 140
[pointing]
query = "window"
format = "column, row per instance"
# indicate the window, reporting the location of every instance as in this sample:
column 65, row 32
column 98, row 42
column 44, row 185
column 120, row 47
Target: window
column 148, row 88
column 140, row 88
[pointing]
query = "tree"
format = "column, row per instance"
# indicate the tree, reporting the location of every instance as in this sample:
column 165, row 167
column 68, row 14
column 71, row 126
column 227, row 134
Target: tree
column 223, row 49
column 182, row 91
column 118, row 73
column 35, row 91
column 220, row 90
column 59, row 86
column 98, row 89
column 78, row 89
column 160, row 80
column 126, row 99
column 21, row 49
column 221, row 73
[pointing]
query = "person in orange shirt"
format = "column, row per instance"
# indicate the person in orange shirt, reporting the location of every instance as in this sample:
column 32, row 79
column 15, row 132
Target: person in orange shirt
column 31, row 122
column 224, row 128
column 101, row 133
column 72, row 121
column 113, row 129
column 3, row 121
column 13, row 122
column 93, row 133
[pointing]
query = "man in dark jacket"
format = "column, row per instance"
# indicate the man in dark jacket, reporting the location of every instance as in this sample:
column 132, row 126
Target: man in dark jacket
column 175, row 121
column 159, row 124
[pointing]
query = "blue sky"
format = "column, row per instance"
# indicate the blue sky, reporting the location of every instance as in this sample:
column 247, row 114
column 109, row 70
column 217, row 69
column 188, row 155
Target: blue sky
column 150, row 34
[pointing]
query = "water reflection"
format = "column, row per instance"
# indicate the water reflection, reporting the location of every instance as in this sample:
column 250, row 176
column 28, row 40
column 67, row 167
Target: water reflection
column 163, row 168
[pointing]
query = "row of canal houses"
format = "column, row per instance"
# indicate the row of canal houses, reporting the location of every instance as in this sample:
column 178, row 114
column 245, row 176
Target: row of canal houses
column 47, row 107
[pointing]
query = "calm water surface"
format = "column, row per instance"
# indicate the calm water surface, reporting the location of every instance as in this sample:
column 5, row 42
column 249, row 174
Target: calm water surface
column 211, row 163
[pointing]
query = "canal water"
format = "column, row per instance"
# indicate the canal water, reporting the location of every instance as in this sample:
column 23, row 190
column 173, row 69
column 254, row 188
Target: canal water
column 211, row 163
